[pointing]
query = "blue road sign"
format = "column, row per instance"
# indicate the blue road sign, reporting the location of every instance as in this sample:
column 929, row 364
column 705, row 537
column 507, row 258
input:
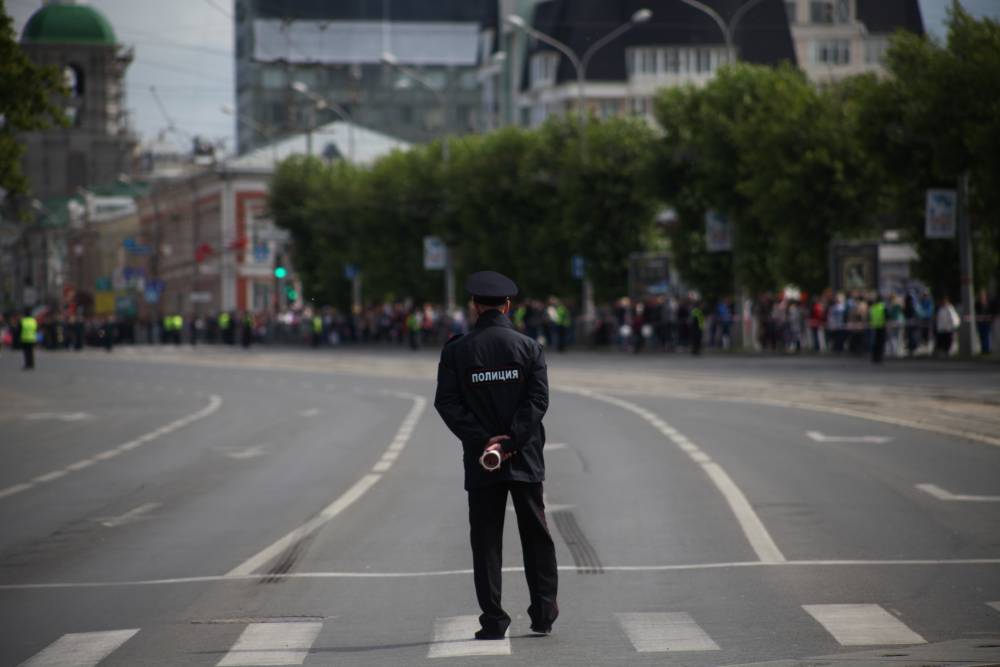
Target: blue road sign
column 579, row 267
column 350, row 271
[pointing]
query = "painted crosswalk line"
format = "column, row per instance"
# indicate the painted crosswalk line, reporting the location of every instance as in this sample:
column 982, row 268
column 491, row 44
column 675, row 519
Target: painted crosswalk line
column 80, row 649
column 862, row 624
column 995, row 605
column 272, row 644
column 453, row 638
column 669, row 631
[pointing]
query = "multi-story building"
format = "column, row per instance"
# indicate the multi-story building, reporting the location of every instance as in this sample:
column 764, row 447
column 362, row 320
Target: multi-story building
column 678, row 44
column 210, row 243
column 838, row 38
column 97, row 145
column 337, row 48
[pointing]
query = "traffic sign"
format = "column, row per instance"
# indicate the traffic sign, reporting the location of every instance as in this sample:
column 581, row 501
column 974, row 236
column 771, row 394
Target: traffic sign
column 350, row 271
column 579, row 267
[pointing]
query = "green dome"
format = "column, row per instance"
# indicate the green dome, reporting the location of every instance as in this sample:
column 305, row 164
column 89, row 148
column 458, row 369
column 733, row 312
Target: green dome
column 68, row 24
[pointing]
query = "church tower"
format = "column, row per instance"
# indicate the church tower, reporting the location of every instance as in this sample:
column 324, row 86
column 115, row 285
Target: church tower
column 98, row 144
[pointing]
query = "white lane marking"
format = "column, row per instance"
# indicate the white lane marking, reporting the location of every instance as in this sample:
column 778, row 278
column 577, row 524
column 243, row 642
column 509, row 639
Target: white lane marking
column 49, row 477
column 133, row 515
column 271, row 552
column 310, row 412
column 756, row 533
column 59, row 416
column 819, row 437
column 689, row 567
column 454, row 637
column 272, row 644
column 349, row 497
column 555, row 446
column 243, row 454
column 942, row 494
column 672, row 631
column 862, row 624
column 80, row 649
column 214, row 403
column 995, row 605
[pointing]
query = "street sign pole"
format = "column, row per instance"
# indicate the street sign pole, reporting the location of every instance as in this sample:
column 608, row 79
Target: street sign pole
column 966, row 344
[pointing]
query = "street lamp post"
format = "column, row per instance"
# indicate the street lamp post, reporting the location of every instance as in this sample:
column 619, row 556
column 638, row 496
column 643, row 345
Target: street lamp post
column 393, row 62
column 324, row 103
column 580, row 64
column 728, row 29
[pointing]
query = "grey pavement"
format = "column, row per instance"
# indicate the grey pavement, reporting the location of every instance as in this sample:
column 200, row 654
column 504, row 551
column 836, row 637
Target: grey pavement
column 216, row 507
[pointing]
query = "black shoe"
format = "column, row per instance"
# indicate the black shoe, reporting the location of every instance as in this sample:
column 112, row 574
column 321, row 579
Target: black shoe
column 489, row 634
column 541, row 630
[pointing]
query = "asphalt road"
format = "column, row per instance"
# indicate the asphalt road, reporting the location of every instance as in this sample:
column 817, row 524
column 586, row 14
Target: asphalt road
column 186, row 513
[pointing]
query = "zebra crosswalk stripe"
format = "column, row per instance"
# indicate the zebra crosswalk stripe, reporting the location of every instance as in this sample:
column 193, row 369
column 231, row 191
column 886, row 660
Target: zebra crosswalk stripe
column 453, row 638
column 272, row 644
column 670, row 631
column 80, row 649
column 862, row 624
column 995, row 605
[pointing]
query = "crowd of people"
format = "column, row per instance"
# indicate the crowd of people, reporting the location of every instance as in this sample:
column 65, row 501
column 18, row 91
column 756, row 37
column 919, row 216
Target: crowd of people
column 784, row 322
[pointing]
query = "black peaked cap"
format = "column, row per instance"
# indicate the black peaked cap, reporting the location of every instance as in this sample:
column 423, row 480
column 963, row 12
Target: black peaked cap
column 490, row 284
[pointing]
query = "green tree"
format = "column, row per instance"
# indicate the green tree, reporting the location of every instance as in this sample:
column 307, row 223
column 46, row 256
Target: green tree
column 27, row 94
column 933, row 118
column 777, row 155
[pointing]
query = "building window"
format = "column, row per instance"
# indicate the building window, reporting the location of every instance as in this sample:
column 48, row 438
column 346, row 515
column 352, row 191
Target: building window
column 832, row 52
column 875, row 48
column 543, row 69
column 829, row 11
column 273, row 77
column 791, row 10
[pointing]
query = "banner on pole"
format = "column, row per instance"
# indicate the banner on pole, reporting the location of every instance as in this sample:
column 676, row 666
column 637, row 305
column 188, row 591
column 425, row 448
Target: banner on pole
column 940, row 221
column 718, row 232
column 435, row 253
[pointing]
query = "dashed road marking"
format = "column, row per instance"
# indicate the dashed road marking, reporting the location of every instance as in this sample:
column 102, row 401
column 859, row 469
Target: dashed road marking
column 671, row 631
column 348, row 498
column 133, row 515
column 875, row 439
column 272, row 644
column 862, row 624
column 757, row 534
column 213, row 405
column 454, row 638
column 948, row 496
column 81, row 649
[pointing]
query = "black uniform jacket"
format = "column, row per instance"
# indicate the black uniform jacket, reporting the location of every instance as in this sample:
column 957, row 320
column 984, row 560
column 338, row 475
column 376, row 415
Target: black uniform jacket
column 493, row 381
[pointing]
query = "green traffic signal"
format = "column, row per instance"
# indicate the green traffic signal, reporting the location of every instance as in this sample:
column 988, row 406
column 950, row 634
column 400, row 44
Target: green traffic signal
column 280, row 272
column 291, row 294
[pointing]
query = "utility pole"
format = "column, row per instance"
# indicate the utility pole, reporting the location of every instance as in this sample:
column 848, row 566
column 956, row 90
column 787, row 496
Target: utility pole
column 966, row 332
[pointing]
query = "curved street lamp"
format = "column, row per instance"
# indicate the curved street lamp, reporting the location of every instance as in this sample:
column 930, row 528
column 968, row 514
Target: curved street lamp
column 580, row 63
column 324, row 103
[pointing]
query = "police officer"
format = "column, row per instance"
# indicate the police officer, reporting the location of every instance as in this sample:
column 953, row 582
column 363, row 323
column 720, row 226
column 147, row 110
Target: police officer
column 492, row 393
column 29, row 336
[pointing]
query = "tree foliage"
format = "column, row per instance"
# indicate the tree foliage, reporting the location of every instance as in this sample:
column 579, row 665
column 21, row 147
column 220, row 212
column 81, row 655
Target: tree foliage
column 776, row 154
column 26, row 103
column 935, row 117
column 518, row 201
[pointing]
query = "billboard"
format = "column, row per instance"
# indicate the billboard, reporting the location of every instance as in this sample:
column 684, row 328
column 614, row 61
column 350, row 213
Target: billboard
column 940, row 218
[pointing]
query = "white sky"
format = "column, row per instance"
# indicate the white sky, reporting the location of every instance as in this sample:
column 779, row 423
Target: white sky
column 185, row 49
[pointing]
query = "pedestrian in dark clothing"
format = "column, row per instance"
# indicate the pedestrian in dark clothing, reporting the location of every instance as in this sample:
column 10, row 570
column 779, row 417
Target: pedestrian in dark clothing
column 492, row 393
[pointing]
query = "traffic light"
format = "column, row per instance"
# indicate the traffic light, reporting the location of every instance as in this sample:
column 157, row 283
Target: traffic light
column 291, row 294
column 280, row 272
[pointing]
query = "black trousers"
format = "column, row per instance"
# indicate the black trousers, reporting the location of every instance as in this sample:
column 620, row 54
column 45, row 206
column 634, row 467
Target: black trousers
column 29, row 354
column 487, row 509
